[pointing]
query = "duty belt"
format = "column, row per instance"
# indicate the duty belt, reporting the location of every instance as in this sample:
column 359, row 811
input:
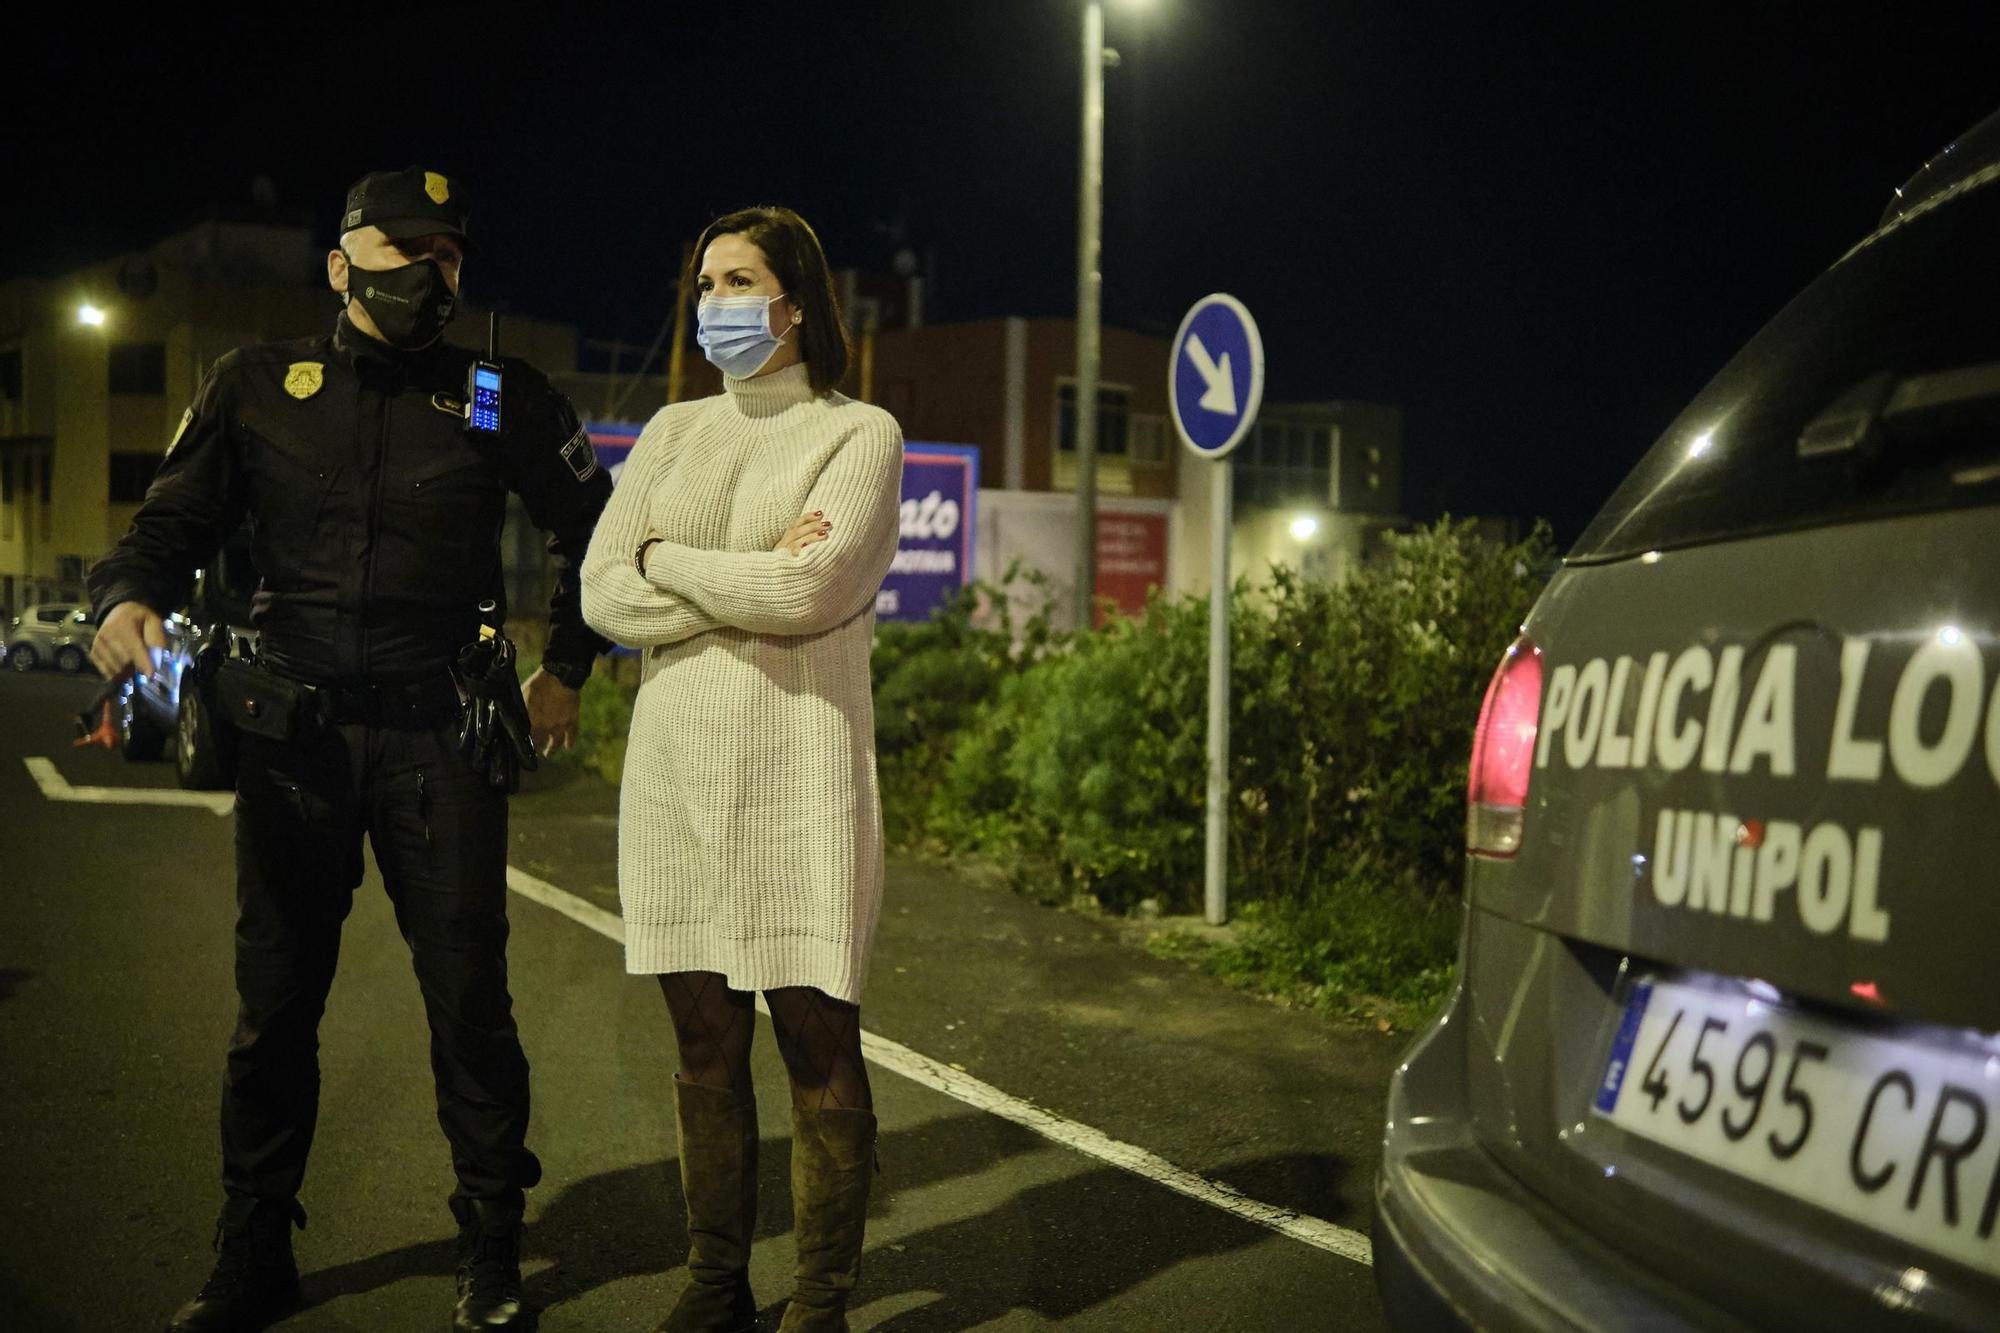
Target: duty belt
column 429, row 702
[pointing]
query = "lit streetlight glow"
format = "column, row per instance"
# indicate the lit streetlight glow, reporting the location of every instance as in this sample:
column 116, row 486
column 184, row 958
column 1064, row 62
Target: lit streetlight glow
column 1305, row 527
column 90, row 314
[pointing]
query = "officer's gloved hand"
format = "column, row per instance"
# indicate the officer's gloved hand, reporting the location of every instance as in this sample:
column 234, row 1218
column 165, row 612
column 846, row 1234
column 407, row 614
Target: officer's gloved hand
column 493, row 731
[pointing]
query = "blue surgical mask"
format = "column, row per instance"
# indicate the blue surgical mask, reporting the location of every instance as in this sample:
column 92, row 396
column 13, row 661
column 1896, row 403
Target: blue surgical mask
column 734, row 332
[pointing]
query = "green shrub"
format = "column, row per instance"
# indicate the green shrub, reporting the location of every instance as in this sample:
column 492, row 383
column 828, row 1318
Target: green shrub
column 1352, row 710
column 604, row 724
column 1354, row 949
column 932, row 678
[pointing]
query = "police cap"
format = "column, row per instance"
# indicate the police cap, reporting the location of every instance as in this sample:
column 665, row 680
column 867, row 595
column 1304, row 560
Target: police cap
column 410, row 202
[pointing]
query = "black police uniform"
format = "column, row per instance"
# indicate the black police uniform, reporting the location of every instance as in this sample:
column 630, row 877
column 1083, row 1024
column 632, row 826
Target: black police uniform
column 374, row 523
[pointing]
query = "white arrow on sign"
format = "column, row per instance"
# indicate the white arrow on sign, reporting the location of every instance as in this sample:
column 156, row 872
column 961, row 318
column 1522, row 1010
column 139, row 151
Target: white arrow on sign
column 1220, row 397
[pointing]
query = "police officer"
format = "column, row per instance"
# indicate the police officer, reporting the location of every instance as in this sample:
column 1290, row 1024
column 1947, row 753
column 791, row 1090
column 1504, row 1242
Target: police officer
column 374, row 516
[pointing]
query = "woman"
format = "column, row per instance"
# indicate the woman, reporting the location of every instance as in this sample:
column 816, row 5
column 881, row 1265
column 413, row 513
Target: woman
column 749, row 828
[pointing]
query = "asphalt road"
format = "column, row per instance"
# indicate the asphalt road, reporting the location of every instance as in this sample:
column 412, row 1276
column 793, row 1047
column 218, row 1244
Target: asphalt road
column 116, row 1002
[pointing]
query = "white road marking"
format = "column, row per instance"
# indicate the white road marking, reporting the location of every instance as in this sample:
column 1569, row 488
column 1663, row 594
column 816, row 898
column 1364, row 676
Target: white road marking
column 956, row 1083
column 608, row 924
column 56, row 787
column 890, row 1055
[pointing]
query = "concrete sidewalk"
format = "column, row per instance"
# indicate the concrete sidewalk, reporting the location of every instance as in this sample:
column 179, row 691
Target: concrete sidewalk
column 1056, row 1008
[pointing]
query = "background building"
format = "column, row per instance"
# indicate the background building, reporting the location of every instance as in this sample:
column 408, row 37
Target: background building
column 96, row 367
column 1316, row 484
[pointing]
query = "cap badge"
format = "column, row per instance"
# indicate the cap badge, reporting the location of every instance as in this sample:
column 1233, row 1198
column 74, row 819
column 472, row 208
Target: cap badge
column 303, row 379
column 436, row 187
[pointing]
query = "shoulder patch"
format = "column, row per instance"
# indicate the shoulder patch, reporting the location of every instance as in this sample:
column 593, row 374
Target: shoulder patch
column 581, row 458
column 187, row 419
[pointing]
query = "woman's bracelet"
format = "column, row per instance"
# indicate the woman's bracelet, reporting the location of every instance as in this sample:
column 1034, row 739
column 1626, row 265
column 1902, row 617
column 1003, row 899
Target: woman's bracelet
column 639, row 556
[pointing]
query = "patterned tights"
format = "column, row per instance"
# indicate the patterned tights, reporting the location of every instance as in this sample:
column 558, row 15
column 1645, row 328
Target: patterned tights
column 818, row 1036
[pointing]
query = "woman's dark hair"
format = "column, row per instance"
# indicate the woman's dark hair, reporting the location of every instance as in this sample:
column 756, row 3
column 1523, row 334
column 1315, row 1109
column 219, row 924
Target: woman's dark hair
column 796, row 260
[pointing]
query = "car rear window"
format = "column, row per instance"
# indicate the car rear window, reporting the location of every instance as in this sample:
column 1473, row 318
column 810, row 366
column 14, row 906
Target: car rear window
column 1917, row 298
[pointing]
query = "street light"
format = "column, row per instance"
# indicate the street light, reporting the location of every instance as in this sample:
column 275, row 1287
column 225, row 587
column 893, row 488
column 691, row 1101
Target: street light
column 1089, row 288
column 1304, row 528
column 90, row 314
column 1089, row 292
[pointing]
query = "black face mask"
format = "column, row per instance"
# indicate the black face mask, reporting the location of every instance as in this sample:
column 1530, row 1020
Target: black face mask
column 410, row 305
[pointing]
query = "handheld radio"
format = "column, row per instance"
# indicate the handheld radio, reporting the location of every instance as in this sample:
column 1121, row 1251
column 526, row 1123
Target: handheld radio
column 482, row 385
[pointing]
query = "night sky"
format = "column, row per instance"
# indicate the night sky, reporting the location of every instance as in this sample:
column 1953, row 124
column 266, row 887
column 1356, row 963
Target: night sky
column 1538, row 228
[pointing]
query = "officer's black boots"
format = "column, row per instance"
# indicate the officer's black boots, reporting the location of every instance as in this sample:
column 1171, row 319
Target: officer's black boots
column 489, row 1266
column 256, row 1280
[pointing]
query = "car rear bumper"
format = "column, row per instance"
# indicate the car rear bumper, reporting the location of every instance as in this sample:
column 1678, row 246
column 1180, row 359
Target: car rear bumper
column 1460, row 1244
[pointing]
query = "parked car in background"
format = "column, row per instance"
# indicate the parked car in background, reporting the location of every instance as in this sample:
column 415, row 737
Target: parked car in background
column 1725, row 1047
column 176, row 701
column 57, row 634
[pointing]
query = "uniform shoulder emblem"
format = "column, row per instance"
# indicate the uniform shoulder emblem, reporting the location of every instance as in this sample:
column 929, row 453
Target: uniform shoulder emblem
column 187, row 419
column 580, row 456
column 304, row 378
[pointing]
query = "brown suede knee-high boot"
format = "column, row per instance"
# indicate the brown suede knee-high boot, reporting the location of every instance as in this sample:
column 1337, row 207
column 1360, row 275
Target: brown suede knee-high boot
column 833, row 1153
column 718, row 1133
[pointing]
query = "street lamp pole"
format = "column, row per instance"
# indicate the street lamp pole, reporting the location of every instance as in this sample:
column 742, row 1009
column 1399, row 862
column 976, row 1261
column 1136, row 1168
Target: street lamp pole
column 1089, row 291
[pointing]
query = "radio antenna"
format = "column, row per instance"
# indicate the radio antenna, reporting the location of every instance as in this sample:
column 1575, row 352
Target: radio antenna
column 493, row 336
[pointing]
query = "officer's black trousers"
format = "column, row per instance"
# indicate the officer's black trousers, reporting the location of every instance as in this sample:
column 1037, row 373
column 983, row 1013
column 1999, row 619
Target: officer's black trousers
column 303, row 808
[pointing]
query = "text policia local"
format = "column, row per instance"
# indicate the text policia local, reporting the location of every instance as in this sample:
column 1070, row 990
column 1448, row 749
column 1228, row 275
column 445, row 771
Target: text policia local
column 1690, row 714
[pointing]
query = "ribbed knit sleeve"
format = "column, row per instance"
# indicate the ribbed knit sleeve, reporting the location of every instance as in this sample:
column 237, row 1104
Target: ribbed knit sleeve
column 831, row 581
column 617, row 602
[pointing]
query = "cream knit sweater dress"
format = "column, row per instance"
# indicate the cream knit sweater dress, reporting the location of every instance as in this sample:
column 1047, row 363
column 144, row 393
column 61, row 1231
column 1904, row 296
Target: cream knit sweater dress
column 749, row 828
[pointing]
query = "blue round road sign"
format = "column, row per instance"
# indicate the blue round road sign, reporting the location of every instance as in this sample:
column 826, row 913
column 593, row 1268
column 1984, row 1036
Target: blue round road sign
column 1216, row 378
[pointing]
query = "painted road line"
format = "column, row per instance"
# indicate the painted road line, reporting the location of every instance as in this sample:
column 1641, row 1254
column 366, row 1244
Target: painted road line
column 608, row 924
column 56, row 787
column 957, row 1084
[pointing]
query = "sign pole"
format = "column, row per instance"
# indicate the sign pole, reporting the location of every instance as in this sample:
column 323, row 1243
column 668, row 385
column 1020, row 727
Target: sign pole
column 1220, row 513
column 1215, row 384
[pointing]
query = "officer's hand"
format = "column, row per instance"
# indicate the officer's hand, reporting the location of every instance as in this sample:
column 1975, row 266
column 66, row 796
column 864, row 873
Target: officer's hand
column 810, row 528
column 126, row 640
column 553, row 709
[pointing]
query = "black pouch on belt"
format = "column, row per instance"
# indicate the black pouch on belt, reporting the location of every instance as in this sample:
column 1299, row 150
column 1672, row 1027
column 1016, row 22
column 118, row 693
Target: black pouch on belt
column 494, row 731
column 262, row 703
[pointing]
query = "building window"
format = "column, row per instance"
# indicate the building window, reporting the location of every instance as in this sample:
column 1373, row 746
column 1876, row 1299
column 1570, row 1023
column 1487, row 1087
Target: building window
column 6, row 497
column 10, row 374
column 138, row 368
column 1151, row 436
column 48, row 496
column 1113, row 419
column 131, row 474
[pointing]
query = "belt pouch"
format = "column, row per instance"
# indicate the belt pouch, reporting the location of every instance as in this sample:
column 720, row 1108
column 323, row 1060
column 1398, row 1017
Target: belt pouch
column 259, row 702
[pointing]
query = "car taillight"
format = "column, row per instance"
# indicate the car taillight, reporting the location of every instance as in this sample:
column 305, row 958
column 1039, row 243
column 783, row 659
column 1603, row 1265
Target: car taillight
column 1503, row 753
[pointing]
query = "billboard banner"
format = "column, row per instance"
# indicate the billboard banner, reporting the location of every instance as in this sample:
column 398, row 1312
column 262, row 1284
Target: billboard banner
column 1131, row 559
column 934, row 554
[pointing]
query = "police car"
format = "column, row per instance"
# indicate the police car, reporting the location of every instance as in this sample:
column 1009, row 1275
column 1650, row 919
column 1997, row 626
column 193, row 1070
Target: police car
column 1725, row 1051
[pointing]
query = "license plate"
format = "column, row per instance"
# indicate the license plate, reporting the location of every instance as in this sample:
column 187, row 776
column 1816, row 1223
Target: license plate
column 1898, row 1131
